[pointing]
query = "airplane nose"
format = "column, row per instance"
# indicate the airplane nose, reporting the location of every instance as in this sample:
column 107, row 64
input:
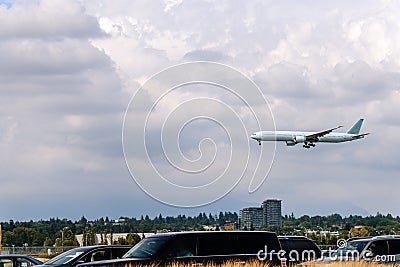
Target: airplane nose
column 254, row 136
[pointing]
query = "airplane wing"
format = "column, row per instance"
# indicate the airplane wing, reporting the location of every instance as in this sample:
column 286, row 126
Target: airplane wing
column 314, row 137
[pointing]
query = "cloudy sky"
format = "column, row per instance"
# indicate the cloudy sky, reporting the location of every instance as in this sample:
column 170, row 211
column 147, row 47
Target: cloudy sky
column 69, row 69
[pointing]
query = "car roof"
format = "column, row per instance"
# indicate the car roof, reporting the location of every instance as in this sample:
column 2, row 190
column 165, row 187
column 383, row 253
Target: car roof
column 284, row 239
column 169, row 234
column 21, row 256
column 293, row 237
column 385, row 237
column 370, row 238
column 15, row 255
column 100, row 246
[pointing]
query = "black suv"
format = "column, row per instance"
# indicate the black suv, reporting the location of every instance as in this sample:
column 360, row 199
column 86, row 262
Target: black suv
column 299, row 248
column 381, row 249
column 200, row 247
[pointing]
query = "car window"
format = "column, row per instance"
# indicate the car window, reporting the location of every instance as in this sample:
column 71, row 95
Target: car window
column 251, row 244
column 215, row 244
column 303, row 249
column 146, row 248
column 394, row 246
column 357, row 245
column 285, row 244
column 5, row 262
column 272, row 241
column 181, row 246
column 304, row 245
column 231, row 244
column 379, row 247
column 97, row 255
column 23, row 262
column 66, row 257
column 117, row 252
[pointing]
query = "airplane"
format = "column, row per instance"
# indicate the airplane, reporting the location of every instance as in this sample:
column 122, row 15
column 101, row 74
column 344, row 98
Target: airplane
column 310, row 138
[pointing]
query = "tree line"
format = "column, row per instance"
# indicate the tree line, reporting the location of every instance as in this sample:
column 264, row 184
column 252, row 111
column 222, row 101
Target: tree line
column 61, row 232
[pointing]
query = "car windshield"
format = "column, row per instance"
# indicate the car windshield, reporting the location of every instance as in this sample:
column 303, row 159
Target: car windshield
column 66, row 256
column 356, row 245
column 146, row 248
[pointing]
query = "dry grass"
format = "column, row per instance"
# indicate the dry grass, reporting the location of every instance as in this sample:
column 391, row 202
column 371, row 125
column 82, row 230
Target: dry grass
column 347, row 264
column 259, row 263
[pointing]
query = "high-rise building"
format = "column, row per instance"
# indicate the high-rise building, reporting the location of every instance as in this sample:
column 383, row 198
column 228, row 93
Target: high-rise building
column 269, row 214
column 251, row 218
column 272, row 212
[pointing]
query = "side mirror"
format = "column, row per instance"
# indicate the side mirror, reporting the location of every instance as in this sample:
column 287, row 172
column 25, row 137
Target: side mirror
column 367, row 255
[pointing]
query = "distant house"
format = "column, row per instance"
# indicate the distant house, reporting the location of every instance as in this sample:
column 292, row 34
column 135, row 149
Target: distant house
column 230, row 226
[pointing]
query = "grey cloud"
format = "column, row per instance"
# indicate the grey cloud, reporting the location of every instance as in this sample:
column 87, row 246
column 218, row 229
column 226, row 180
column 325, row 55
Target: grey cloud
column 47, row 19
column 358, row 81
column 64, row 103
column 40, row 57
column 206, row 56
column 286, row 80
column 63, row 99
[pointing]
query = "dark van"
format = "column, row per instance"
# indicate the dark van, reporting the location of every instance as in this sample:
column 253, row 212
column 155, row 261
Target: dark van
column 199, row 248
column 299, row 248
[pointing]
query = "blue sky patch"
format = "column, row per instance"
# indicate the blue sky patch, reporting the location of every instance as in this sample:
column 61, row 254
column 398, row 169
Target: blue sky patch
column 8, row 4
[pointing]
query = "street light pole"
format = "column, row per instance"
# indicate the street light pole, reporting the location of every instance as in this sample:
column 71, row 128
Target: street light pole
column 62, row 240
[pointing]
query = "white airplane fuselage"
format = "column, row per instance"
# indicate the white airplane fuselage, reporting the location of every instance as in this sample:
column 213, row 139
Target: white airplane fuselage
column 297, row 137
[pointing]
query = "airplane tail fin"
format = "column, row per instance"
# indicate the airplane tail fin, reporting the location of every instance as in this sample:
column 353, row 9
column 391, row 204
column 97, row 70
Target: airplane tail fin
column 356, row 127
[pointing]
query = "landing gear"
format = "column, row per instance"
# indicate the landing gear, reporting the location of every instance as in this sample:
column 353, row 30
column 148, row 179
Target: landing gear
column 308, row 145
column 259, row 143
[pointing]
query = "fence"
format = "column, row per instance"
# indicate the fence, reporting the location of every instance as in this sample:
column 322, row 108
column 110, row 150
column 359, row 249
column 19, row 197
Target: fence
column 34, row 250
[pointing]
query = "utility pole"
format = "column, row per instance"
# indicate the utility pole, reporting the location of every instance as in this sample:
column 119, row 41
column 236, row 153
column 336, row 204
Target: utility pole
column 1, row 234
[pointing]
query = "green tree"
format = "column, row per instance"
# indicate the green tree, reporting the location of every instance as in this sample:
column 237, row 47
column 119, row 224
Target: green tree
column 68, row 237
column 48, row 242
column 358, row 232
column 22, row 235
column 132, row 239
column 85, row 236
column 92, row 238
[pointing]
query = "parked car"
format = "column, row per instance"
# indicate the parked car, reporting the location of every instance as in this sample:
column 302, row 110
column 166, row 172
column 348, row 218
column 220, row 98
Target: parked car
column 18, row 261
column 75, row 256
column 381, row 249
column 299, row 248
column 199, row 248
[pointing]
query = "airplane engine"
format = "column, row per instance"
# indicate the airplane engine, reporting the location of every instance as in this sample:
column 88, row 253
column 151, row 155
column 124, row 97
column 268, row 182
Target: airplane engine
column 290, row 143
column 299, row 139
